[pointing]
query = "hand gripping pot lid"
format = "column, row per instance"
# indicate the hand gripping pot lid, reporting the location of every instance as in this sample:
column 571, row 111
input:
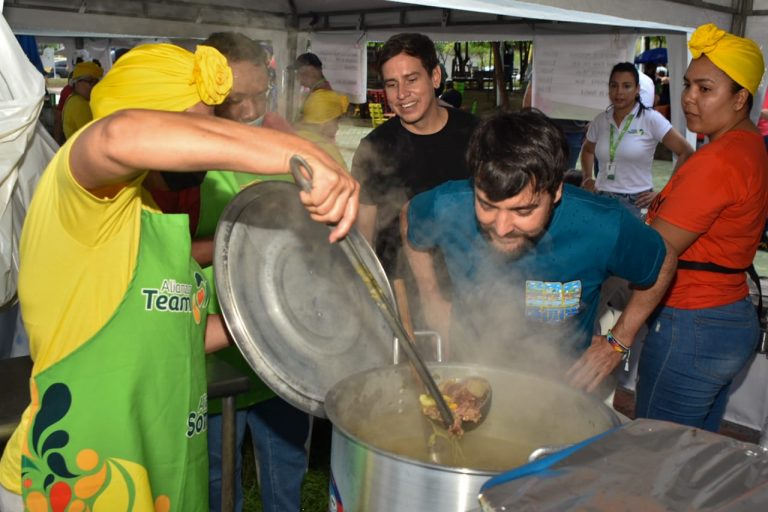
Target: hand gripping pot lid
column 292, row 301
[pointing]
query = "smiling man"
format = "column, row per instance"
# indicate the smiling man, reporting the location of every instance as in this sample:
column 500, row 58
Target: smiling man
column 420, row 148
column 527, row 254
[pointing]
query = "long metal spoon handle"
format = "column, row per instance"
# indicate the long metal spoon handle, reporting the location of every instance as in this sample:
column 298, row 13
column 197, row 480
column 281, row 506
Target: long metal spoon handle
column 393, row 319
column 378, row 296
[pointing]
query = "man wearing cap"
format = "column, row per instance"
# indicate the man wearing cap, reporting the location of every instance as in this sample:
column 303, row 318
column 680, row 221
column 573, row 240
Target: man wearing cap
column 77, row 111
column 420, row 148
column 113, row 303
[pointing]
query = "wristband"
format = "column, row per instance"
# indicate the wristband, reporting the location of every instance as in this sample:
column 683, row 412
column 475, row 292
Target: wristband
column 618, row 346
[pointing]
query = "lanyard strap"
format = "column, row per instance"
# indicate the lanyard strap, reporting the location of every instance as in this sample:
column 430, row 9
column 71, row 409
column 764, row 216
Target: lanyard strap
column 612, row 145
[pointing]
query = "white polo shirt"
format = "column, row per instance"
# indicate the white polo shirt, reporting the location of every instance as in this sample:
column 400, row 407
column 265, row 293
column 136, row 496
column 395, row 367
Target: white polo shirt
column 634, row 153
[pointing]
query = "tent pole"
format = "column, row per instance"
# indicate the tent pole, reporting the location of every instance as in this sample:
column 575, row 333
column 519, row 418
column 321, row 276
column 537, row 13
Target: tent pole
column 739, row 20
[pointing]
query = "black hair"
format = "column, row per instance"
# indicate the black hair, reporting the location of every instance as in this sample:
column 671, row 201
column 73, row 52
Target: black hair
column 509, row 150
column 413, row 44
column 120, row 52
column 237, row 47
column 628, row 67
column 573, row 177
column 736, row 87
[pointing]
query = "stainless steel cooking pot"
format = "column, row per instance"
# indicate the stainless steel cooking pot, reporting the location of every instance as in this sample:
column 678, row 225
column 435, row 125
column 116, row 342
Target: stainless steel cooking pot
column 380, row 459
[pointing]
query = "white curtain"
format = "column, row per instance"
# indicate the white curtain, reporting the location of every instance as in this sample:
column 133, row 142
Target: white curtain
column 345, row 62
column 25, row 150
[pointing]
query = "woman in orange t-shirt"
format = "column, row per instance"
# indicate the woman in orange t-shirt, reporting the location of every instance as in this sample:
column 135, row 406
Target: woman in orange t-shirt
column 712, row 213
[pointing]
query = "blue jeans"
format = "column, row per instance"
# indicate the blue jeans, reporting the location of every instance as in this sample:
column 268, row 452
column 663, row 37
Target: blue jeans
column 628, row 200
column 689, row 360
column 279, row 432
column 575, row 140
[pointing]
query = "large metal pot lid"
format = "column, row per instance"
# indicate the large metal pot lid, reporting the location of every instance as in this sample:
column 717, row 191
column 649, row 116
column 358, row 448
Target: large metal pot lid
column 293, row 303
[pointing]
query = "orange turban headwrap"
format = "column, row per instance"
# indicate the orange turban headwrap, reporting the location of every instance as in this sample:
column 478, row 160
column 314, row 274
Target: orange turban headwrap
column 739, row 58
column 163, row 77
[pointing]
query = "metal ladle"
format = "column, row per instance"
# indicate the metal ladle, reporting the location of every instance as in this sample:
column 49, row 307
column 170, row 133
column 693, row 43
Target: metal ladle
column 390, row 315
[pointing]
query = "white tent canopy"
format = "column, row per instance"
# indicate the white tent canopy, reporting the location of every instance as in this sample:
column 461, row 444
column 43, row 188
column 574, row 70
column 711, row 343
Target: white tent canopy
column 288, row 23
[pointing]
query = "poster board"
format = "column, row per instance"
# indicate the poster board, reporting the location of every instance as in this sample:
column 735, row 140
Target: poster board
column 344, row 59
column 570, row 72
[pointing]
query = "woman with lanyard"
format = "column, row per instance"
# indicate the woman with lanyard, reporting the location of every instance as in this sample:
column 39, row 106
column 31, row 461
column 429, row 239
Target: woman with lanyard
column 624, row 139
column 114, row 305
column 711, row 213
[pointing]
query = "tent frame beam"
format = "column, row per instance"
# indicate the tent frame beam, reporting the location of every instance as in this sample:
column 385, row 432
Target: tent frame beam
column 708, row 5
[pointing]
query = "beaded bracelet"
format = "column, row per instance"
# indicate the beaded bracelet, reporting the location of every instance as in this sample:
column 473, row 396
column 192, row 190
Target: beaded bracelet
column 619, row 347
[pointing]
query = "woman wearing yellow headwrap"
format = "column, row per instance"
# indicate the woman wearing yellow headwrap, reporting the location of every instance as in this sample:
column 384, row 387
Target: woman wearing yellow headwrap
column 115, row 307
column 320, row 120
column 77, row 112
column 711, row 214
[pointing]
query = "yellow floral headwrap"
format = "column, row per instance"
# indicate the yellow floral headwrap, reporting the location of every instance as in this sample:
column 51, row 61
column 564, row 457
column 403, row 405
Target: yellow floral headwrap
column 739, row 58
column 163, row 77
column 87, row 69
column 323, row 106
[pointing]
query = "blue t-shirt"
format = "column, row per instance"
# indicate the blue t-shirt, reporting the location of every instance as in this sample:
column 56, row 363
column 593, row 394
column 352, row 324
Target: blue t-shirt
column 553, row 290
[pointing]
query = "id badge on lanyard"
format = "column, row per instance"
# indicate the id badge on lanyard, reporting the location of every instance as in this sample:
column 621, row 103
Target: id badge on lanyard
column 614, row 144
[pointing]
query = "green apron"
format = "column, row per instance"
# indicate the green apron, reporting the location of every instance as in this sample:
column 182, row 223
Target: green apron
column 120, row 423
column 217, row 190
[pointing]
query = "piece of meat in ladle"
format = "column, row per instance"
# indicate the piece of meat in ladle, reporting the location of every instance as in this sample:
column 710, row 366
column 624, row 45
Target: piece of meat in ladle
column 465, row 397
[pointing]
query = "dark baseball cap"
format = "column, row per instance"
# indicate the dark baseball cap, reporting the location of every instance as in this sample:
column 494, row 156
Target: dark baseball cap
column 306, row 59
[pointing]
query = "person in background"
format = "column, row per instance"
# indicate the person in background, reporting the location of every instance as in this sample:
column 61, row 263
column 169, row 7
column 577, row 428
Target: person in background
column 118, row 386
column 711, row 213
column 762, row 123
column 77, row 110
column 662, row 86
column 525, row 259
column 451, row 95
column 320, row 122
column 624, row 139
column 309, row 73
column 418, row 149
column 58, row 128
column 278, row 430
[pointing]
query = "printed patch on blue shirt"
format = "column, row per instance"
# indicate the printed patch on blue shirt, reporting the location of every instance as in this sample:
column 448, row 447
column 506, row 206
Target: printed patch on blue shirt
column 552, row 302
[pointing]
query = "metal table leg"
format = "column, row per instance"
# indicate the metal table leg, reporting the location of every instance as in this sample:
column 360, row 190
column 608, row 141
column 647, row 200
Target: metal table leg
column 226, row 382
column 227, row 453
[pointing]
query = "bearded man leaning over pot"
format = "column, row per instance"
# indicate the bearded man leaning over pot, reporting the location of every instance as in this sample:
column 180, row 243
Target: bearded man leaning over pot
column 527, row 256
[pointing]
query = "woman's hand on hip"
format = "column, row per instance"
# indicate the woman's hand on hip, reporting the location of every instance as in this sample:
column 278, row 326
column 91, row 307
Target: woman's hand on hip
column 644, row 199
